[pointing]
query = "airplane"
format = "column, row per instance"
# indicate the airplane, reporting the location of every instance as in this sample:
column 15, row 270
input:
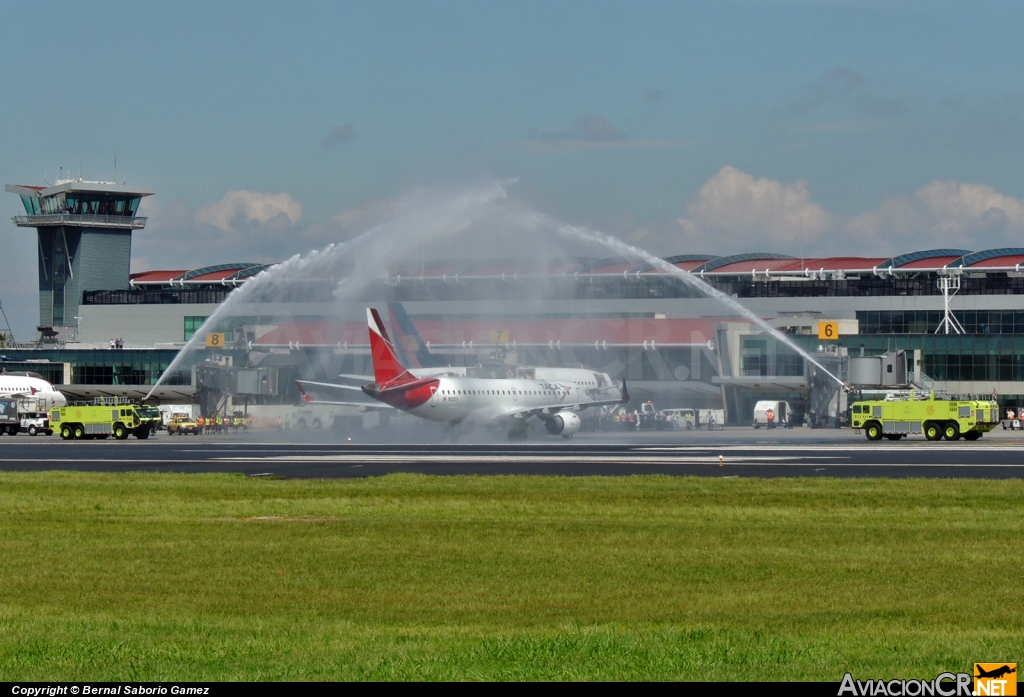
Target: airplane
column 414, row 354
column 30, row 385
column 995, row 672
column 455, row 399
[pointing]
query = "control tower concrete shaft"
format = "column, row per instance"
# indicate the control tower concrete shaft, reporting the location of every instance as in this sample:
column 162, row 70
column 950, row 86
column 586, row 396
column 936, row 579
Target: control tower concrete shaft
column 85, row 243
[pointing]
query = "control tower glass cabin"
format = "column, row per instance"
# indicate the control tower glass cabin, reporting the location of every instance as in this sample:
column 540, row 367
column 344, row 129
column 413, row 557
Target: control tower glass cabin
column 85, row 242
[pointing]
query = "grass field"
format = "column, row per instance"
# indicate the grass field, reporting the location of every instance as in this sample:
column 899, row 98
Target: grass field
column 193, row 577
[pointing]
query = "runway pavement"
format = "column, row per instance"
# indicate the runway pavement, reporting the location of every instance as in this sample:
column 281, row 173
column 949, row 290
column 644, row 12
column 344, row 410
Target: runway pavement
column 728, row 453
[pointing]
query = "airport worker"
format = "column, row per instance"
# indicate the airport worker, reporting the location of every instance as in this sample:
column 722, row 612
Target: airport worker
column 689, row 421
column 770, row 416
column 201, row 423
column 250, row 421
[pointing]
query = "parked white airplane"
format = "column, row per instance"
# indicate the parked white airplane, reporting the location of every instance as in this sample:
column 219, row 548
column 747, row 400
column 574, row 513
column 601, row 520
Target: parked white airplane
column 456, row 399
column 27, row 385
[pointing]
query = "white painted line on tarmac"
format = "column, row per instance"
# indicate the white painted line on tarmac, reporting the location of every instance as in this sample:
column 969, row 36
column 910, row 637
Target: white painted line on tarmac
column 496, row 458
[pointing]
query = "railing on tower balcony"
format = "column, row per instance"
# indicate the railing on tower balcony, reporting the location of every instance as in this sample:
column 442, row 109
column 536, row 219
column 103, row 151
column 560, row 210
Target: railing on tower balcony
column 126, row 222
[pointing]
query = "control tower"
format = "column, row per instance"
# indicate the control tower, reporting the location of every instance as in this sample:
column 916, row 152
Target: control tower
column 85, row 243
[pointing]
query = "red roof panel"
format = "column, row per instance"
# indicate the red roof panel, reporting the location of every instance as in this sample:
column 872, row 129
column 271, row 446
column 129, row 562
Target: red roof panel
column 931, row 263
column 998, row 261
column 160, row 276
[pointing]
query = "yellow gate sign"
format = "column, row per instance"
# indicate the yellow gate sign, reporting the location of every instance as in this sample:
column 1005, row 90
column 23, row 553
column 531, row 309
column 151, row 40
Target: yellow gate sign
column 215, row 340
column 828, row 330
column 499, row 336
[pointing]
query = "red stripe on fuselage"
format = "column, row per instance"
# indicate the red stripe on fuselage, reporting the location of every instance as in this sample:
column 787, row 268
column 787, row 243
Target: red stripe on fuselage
column 408, row 399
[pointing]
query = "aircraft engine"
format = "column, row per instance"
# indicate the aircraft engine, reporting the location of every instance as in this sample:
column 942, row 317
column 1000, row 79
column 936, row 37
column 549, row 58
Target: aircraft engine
column 564, row 423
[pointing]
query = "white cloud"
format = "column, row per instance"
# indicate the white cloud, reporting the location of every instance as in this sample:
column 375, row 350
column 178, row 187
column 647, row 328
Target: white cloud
column 241, row 226
column 735, row 211
column 241, row 206
column 945, row 213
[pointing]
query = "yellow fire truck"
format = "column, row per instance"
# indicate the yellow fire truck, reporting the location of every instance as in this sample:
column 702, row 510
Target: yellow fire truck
column 100, row 421
column 935, row 418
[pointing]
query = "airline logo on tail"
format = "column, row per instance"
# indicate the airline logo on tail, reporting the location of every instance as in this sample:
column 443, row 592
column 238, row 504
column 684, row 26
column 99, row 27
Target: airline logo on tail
column 387, row 368
column 393, row 384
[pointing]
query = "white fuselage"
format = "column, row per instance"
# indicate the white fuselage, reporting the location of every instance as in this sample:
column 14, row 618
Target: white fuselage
column 458, row 399
column 23, row 387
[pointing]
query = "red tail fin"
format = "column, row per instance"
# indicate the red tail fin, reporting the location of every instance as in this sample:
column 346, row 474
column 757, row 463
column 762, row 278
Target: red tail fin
column 386, row 366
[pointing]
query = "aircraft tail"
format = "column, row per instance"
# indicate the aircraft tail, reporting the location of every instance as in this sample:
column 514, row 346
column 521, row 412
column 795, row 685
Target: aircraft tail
column 386, row 365
column 410, row 347
column 624, row 394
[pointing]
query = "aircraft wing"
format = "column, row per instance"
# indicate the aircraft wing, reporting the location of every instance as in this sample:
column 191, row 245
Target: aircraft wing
column 319, row 393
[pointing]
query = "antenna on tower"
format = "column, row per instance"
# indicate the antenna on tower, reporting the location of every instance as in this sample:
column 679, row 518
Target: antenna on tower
column 115, row 168
column 801, row 243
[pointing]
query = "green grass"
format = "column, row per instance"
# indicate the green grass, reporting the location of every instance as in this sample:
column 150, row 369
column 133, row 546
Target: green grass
column 177, row 577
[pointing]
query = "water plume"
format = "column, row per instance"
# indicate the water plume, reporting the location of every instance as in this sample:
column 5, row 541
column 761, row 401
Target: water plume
column 423, row 217
column 433, row 220
column 625, row 249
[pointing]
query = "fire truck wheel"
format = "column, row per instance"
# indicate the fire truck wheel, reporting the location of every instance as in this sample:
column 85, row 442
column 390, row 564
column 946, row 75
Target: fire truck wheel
column 873, row 430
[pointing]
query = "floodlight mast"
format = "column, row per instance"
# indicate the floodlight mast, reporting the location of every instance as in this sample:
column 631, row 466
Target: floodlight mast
column 949, row 281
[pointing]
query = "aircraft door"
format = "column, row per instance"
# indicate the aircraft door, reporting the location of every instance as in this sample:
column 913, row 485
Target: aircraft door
column 515, row 395
column 433, row 396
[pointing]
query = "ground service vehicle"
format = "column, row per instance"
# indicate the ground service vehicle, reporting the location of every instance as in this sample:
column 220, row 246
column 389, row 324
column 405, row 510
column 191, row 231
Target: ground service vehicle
column 180, row 424
column 935, row 418
column 780, row 411
column 98, row 421
column 9, row 420
column 34, row 423
column 710, row 418
column 150, row 416
column 667, row 419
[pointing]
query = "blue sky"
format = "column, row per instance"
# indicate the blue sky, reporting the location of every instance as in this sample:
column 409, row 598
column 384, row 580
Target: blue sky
column 709, row 126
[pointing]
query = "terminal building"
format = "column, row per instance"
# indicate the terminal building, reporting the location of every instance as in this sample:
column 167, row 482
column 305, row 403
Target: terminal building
column 957, row 314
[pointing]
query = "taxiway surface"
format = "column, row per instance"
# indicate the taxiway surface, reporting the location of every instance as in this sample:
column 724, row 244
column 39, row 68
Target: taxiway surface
column 728, row 453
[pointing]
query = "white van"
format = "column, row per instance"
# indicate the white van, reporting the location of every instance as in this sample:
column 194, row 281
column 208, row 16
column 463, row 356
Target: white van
column 780, row 413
